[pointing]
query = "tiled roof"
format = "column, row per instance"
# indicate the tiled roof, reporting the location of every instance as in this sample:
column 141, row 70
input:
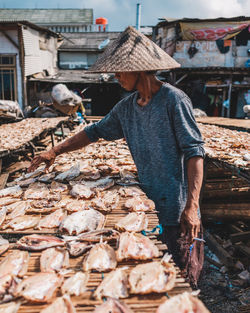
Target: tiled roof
column 48, row 16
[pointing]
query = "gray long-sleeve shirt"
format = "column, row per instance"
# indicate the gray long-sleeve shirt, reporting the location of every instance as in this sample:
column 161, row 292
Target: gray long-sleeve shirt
column 161, row 137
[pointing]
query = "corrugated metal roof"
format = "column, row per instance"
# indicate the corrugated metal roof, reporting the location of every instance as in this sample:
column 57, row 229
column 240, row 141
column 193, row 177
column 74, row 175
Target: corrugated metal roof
column 48, row 16
column 172, row 21
column 85, row 41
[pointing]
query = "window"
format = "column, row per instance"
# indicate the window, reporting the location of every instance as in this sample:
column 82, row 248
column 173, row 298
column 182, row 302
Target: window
column 8, row 77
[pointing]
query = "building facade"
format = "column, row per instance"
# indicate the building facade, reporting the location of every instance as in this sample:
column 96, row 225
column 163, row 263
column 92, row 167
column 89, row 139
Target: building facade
column 26, row 50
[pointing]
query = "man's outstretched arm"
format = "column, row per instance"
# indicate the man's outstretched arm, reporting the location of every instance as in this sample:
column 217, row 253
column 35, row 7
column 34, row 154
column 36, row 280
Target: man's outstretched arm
column 190, row 221
column 76, row 142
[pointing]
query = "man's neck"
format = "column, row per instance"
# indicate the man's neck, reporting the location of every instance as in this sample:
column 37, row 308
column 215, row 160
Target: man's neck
column 147, row 85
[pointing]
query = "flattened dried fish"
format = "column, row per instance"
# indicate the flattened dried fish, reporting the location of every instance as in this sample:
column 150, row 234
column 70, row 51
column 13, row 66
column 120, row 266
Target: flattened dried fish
column 23, row 222
column 113, row 306
column 7, row 200
column 152, row 277
column 76, row 284
column 15, row 263
column 136, row 221
column 38, row 242
column 95, row 236
column 106, row 202
column 70, row 174
column 58, row 187
column 60, row 305
column 11, row 307
column 52, row 220
column 42, row 204
column 47, row 177
column 37, row 191
column 40, row 287
column 2, row 215
column 182, row 303
column 136, row 246
column 131, row 192
column 82, row 192
column 82, row 221
column 54, row 259
column 14, row 192
column 77, row 248
column 18, row 209
column 114, row 285
column 75, row 205
column 100, row 184
column 138, row 204
column 4, row 245
column 101, row 258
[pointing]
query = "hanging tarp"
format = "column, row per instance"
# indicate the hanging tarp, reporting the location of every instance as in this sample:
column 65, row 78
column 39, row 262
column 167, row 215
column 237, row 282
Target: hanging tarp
column 212, row 31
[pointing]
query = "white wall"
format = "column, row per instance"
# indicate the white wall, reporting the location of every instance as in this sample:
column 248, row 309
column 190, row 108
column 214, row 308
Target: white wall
column 39, row 53
column 6, row 47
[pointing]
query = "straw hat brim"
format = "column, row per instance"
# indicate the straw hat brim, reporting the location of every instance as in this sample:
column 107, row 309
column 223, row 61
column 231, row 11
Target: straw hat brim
column 133, row 52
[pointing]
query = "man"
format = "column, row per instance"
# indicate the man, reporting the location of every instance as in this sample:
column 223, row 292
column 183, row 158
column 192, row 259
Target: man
column 163, row 138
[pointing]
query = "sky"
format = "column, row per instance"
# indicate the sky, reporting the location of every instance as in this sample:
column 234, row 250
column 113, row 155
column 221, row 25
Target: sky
column 121, row 13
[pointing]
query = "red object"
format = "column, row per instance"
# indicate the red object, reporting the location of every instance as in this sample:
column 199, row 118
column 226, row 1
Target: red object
column 101, row 21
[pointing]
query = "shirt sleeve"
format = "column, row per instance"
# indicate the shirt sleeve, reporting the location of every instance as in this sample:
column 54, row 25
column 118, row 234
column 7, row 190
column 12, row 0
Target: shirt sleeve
column 186, row 130
column 109, row 128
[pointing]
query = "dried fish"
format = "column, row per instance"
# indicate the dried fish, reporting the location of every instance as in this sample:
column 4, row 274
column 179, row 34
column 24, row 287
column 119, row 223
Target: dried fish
column 14, row 192
column 2, row 215
column 131, row 192
column 15, row 263
column 23, row 222
column 182, row 303
column 52, row 220
column 101, row 258
column 95, row 236
column 54, row 259
column 106, row 202
column 37, row 191
column 152, row 277
column 11, row 307
column 43, row 203
column 75, row 205
column 18, row 209
column 8, row 200
column 77, row 248
column 62, row 305
column 83, row 221
column 47, row 178
column 113, row 306
column 82, row 192
column 136, row 246
column 76, row 284
column 4, row 245
column 58, row 187
column 40, row 287
column 100, row 184
column 38, row 242
column 136, row 221
column 114, row 285
column 70, row 174
column 138, row 204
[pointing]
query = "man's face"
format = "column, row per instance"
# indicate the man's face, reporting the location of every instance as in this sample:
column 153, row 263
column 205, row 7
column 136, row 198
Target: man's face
column 128, row 80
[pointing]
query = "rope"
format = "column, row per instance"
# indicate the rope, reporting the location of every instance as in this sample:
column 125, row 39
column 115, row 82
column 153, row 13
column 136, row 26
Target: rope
column 145, row 232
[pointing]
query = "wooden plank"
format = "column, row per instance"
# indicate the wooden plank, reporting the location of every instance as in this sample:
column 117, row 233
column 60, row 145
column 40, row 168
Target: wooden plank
column 224, row 214
column 220, row 252
column 242, row 236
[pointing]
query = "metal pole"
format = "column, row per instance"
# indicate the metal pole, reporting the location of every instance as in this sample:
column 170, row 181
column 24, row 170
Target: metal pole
column 138, row 16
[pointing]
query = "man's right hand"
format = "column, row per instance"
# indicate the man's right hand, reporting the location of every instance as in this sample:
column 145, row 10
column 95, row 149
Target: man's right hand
column 48, row 157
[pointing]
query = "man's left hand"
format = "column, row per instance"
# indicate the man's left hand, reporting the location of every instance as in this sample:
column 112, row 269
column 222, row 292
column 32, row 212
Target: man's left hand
column 190, row 222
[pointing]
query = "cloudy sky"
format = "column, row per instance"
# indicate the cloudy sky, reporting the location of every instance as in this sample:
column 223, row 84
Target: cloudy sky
column 121, row 13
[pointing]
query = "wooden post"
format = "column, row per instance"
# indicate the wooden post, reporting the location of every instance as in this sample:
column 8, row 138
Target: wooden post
column 223, row 99
column 63, row 135
column 52, row 139
column 229, row 99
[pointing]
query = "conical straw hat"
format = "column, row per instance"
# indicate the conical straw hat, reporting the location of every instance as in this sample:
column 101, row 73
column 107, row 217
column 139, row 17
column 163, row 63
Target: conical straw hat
column 133, row 52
